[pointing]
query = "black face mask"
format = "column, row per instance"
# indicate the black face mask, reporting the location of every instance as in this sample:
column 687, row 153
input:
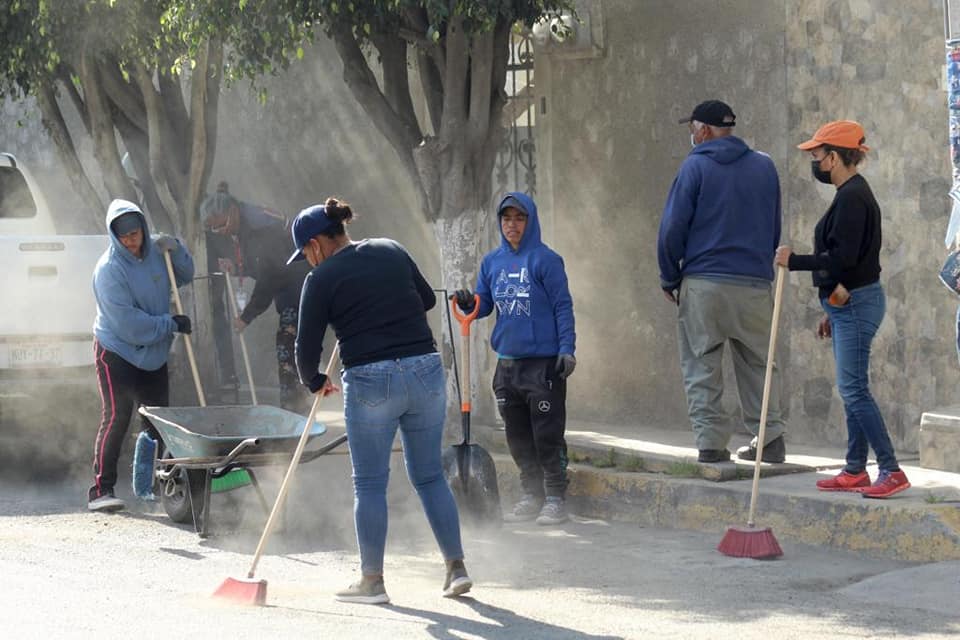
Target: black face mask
column 822, row 176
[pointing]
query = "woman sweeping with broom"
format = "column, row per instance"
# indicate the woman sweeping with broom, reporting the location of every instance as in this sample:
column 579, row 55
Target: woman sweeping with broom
column 846, row 270
column 373, row 295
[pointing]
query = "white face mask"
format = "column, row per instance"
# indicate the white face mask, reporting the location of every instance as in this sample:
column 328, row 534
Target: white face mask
column 693, row 141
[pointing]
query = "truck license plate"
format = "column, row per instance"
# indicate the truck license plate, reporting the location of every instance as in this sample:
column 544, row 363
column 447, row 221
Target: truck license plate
column 35, row 354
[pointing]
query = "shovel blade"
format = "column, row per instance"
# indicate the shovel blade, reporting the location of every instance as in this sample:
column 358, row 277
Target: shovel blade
column 472, row 477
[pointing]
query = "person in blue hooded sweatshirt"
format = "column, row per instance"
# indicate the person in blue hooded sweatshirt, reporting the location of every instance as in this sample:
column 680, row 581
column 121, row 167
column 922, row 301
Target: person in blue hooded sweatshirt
column 526, row 283
column 133, row 331
column 718, row 234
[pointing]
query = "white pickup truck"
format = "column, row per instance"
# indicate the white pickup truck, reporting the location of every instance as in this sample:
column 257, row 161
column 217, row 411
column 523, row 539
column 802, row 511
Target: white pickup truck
column 48, row 308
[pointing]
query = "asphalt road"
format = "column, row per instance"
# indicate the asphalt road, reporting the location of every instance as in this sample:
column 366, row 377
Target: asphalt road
column 67, row 573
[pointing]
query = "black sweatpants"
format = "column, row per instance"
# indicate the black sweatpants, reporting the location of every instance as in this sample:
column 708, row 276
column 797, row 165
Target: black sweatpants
column 532, row 400
column 123, row 388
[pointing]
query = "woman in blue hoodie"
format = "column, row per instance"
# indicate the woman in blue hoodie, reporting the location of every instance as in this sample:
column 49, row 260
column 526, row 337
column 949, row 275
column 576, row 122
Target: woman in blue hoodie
column 525, row 281
column 133, row 332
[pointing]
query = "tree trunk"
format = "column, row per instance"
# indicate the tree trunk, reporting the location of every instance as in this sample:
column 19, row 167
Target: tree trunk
column 462, row 241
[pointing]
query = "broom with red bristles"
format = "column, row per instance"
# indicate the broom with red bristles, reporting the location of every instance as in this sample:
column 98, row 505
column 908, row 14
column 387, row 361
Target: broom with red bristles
column 249, row 590
column 750, row 541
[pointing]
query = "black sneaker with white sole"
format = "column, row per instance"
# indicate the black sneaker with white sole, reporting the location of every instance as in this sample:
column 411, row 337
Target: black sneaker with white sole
column 774, row 451
column 106, row 503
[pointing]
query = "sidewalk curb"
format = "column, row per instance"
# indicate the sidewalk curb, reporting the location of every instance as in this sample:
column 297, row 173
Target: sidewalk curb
column 879, row 528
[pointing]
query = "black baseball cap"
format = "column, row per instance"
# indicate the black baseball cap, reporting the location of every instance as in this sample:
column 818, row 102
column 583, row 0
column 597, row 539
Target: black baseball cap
column 713, row 112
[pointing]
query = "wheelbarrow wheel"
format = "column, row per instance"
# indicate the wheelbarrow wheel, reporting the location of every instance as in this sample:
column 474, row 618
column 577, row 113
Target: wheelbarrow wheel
column 175, row 494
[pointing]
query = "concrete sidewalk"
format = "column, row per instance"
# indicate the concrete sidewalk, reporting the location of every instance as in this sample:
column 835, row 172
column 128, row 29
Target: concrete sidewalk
column 650, row 476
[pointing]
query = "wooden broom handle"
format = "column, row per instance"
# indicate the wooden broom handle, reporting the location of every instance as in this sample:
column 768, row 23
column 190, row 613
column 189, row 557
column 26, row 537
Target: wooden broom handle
column 285, row 486
column 243, row 342
column 767, row 378
column 186, row 336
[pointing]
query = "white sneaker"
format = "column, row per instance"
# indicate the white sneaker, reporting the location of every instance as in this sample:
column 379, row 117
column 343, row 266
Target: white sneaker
column 554, row 511
column 106, row 503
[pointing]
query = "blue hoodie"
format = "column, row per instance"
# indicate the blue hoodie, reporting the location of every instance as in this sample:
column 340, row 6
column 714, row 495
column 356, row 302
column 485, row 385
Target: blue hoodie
column 722, row 217
column 528, row 288
column 133, row 296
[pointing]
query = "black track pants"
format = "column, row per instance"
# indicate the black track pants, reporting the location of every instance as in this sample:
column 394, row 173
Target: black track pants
column 123, row 388
column 532, row 402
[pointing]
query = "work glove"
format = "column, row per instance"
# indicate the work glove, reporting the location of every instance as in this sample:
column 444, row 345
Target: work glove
column 566, row 363
column 464, row 300
column 166, row 243
column 183, row 324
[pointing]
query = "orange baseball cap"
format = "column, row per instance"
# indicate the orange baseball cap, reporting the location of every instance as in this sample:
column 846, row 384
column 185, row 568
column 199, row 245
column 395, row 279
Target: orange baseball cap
column 847, row 134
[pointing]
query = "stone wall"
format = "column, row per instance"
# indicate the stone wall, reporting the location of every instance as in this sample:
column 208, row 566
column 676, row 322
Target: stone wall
column 611, row 146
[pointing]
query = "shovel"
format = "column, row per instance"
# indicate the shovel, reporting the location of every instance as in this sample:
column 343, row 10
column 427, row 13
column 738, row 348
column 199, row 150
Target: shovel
column 468, row 467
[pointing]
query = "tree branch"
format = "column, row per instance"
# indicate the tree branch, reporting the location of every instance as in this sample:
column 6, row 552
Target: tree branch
column 396, row 82
column 431, row 83
column 164, row 175
column 204, row 94
column 126, row 98
column 481, row 77
column 455, row 85
column 56, row 127
column 363, row 84
column 66, row 79
column 171, row 96
column 101, row 126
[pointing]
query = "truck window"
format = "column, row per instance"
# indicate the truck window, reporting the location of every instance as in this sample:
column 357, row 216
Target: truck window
column 15, row 198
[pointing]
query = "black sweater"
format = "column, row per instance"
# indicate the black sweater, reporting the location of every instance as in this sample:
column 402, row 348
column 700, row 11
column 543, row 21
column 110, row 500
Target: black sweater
column 376, row 299
column 846, row 241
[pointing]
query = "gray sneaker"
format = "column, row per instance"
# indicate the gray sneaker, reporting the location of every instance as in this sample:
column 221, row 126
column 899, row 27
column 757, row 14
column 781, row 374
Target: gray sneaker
column 365, row 592
column 526, row 509
column 457, row 582
column 106, row 503
column 554, row 511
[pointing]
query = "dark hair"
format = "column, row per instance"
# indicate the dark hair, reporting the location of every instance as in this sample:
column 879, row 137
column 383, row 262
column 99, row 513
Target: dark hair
column 849, row 157
column 341, row 213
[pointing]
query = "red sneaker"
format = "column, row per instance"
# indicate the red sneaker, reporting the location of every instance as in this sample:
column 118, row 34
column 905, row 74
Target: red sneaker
column 888, row 483
column 844, row 481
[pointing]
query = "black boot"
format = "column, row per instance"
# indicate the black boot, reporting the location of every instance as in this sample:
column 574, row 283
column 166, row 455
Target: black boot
column 774, row 451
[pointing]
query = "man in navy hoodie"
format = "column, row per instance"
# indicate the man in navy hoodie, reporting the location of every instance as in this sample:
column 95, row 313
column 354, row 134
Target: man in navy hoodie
column 718, row 234
column 525, row 281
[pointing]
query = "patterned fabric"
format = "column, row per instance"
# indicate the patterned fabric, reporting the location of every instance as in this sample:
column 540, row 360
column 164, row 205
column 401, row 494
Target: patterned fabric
column 291, row 395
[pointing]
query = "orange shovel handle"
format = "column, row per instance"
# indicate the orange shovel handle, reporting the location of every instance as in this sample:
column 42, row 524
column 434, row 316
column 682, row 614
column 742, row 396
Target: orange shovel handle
column 465, row 319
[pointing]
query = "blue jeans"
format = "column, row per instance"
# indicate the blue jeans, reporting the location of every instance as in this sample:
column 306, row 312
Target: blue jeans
column 853, row 327
column 409, row 393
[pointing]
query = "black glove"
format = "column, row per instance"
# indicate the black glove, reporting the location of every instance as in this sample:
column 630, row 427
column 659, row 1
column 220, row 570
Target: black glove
column 183, row 324
column 464, row 300
column 566, row 363
column 166, row 243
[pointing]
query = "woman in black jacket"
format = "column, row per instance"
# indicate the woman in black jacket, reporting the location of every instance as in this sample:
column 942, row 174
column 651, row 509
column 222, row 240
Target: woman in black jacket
column 846, row 269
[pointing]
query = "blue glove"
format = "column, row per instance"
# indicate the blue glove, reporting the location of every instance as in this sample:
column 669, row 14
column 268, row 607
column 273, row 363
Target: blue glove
column 566, row 363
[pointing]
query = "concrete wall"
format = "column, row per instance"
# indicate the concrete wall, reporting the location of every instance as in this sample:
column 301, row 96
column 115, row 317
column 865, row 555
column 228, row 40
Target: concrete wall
column 611, row 146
